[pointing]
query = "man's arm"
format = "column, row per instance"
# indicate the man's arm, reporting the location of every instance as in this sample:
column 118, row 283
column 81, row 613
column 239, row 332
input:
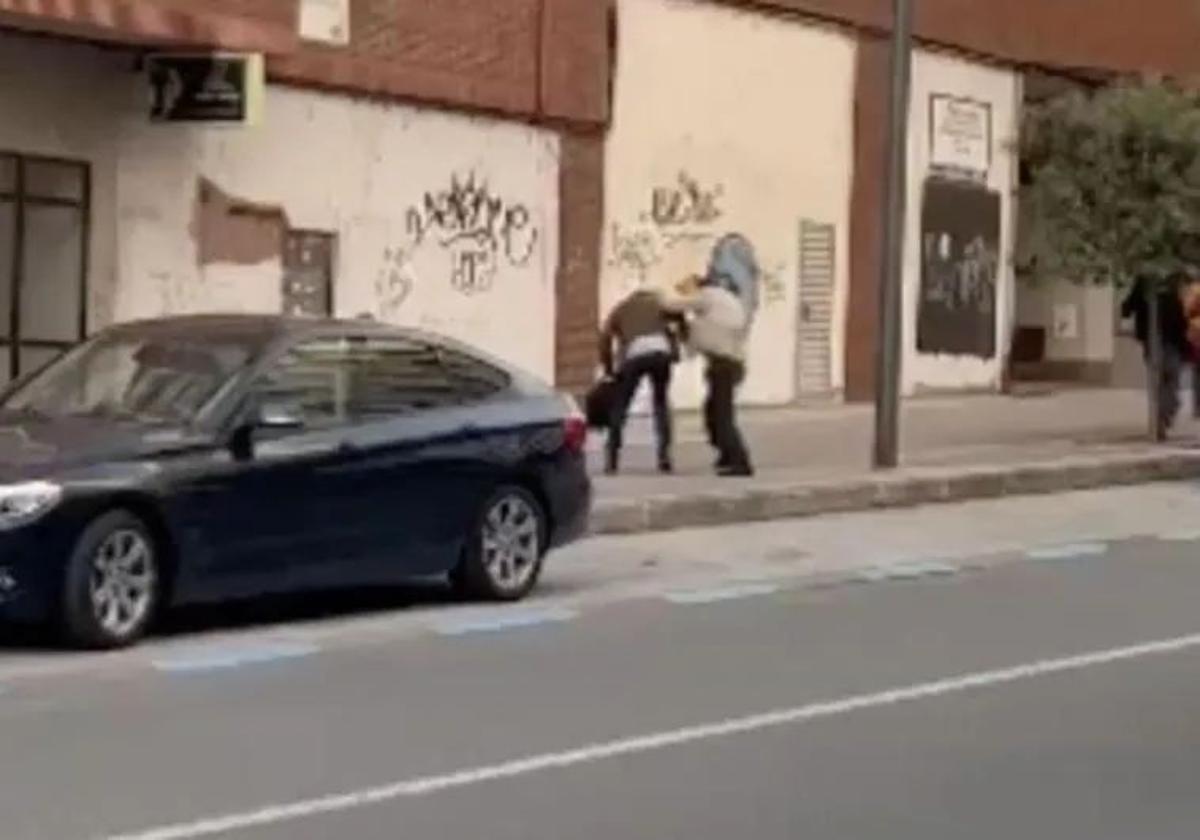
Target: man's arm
column 607, row 335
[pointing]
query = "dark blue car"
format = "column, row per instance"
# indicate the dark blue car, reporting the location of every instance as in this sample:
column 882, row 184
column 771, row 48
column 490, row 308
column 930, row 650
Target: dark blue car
column 204, row 458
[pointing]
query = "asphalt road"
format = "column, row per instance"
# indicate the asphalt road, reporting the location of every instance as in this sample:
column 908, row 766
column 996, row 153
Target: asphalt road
column 1046, row 692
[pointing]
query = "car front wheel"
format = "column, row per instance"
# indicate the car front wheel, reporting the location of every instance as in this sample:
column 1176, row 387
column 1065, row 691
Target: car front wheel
column 503, row 557
column 112, row 583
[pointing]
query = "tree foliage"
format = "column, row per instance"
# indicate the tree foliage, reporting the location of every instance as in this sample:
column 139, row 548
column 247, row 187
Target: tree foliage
column 1114, row 191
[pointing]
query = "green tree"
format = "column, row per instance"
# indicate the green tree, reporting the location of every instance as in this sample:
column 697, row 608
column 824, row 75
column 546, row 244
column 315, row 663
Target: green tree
column 1113, row 191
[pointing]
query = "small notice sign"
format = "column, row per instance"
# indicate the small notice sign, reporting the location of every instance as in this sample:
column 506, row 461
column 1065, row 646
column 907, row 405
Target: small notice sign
column 960, row 136
column 217, row 88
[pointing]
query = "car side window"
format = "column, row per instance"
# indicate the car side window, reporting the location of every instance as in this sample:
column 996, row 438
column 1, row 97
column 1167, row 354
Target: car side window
column 393, row 376
column 311, row 380
column 475, row 379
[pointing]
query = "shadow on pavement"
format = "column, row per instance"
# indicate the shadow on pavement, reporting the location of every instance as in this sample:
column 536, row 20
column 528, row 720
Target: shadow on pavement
column 263, row 612
column 287, row 609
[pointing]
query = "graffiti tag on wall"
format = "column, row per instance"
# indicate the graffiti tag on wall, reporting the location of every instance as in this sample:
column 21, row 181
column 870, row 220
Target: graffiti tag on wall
column 685, row 204
column 680, row 214
column 393, row 283
column 960, row 266
column 478, row 230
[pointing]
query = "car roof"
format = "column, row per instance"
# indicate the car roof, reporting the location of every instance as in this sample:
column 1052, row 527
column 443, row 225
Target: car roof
column 269, row 329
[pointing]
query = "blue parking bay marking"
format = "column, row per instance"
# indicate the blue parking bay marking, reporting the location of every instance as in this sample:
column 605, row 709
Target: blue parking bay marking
column 724, row 593
column 499, row 620
column 1074, row 551
column 224, row 657
column 905, row 571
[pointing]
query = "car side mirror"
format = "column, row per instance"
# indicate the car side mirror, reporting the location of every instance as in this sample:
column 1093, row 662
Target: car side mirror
column 262, row 416
column 276, row 416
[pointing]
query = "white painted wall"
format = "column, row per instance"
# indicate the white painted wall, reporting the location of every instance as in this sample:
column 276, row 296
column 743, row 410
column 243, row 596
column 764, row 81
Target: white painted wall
column 349, row 167
column 356, row 169
column 58, row 100
column 1094, row 337
column 756, row 107
column 945, row 74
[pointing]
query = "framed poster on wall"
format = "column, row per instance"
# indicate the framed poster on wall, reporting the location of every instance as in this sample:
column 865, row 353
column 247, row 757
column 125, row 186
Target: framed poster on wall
column 960, row 269
column 960, row 136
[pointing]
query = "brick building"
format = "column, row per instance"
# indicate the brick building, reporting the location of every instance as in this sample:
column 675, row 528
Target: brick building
column 501, row 170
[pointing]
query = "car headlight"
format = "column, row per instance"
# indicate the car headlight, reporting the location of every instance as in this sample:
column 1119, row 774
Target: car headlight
column 25, row 502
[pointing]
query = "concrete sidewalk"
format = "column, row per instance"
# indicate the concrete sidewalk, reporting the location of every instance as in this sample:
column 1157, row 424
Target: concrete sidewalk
column 817, row 460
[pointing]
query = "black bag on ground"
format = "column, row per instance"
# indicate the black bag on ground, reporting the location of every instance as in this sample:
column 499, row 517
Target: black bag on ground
column 598, row 403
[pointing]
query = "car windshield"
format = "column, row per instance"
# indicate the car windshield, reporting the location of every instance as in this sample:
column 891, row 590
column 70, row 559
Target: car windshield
column 126, row 375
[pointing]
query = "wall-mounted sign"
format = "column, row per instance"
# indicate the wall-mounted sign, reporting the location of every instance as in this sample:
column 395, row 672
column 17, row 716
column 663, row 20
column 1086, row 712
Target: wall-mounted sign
column 1066, row 321
column 325, row 21
column 960, row 136
column 218, row 88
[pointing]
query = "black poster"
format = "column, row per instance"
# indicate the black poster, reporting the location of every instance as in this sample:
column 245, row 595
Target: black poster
column 960, row 265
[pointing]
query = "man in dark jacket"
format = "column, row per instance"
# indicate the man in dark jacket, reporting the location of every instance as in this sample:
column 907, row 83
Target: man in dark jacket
column 1173, row 339
column 646, row 346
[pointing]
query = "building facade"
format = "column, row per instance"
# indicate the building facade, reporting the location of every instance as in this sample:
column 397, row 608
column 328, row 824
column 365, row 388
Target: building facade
column 430, row 202
column 505, row 170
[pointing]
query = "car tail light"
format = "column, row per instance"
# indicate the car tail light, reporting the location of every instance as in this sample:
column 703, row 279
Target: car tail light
column 575, row 432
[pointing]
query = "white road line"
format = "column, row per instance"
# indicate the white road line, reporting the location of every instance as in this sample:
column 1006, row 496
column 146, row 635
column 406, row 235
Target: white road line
column 723, row 593
column 428, row 785
column 905, row 571
column 501, row 620
column 1181, row 536
column 221, row 657
column 1068, row 552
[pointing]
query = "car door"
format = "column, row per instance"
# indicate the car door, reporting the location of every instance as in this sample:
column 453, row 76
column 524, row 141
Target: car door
column 275, row 508
column 418, row 462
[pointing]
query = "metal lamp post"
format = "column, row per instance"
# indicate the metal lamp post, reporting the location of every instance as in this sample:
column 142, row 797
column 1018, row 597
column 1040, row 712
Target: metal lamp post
column 888, row 347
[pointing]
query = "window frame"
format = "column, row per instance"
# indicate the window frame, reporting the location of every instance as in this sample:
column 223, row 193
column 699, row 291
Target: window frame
column 20, row 199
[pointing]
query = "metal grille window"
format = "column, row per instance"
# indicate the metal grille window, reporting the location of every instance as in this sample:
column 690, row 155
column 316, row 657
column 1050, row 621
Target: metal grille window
column 44, row 227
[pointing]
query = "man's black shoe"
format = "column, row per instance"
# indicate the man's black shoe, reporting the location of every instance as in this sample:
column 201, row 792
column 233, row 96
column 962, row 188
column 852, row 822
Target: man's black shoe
column 742, row 471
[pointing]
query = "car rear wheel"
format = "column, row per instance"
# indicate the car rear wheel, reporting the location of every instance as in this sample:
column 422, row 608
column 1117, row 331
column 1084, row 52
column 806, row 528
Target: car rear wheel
column 503, row 557
column 112, row 583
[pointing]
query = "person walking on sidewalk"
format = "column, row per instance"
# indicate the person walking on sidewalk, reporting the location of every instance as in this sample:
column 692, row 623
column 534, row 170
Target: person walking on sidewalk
column 1173, row 339
column 644, row 334
column 720, row 309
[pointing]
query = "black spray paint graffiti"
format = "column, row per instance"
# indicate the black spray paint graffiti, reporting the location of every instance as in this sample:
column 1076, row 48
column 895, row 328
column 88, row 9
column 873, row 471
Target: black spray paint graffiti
column 393, row 283
column 476, row 228
column 683, row 214
column 686, row 203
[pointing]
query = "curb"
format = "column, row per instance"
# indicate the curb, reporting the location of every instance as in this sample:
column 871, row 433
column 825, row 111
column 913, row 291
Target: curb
column 763, row 503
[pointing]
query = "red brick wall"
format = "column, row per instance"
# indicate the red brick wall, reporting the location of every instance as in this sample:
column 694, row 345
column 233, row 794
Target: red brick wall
column 530, row 59
column 249, row 25
column 581, row 196
column 1122, row 35
column 866, row 203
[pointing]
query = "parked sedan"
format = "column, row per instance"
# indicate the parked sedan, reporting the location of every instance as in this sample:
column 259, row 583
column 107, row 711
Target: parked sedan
column 204, row 458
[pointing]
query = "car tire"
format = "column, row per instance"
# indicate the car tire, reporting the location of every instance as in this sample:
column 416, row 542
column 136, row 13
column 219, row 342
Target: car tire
column 111, row 588
column 502, row 560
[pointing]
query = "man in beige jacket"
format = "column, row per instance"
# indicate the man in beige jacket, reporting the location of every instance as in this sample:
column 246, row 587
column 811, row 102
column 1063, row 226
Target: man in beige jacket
column 719, row 326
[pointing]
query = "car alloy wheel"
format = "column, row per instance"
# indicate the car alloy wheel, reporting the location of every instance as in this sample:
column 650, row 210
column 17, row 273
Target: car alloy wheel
column 503, row 558
column 122, row 583
column 512, row 545
column 113, row 582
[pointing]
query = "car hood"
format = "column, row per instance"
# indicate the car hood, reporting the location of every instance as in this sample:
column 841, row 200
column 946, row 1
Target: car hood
column 43, row 447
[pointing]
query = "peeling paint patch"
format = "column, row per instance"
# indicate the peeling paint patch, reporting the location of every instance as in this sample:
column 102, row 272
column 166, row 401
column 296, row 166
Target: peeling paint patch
column 230, row 229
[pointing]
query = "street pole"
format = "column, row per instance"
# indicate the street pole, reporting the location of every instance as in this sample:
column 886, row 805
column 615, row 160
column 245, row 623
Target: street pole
column 890, row 331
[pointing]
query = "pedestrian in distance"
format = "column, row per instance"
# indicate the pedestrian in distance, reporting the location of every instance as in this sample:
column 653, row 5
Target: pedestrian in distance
column 1172, row 339
column 1190, row 294
column 638, row 342
column 719, row 308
